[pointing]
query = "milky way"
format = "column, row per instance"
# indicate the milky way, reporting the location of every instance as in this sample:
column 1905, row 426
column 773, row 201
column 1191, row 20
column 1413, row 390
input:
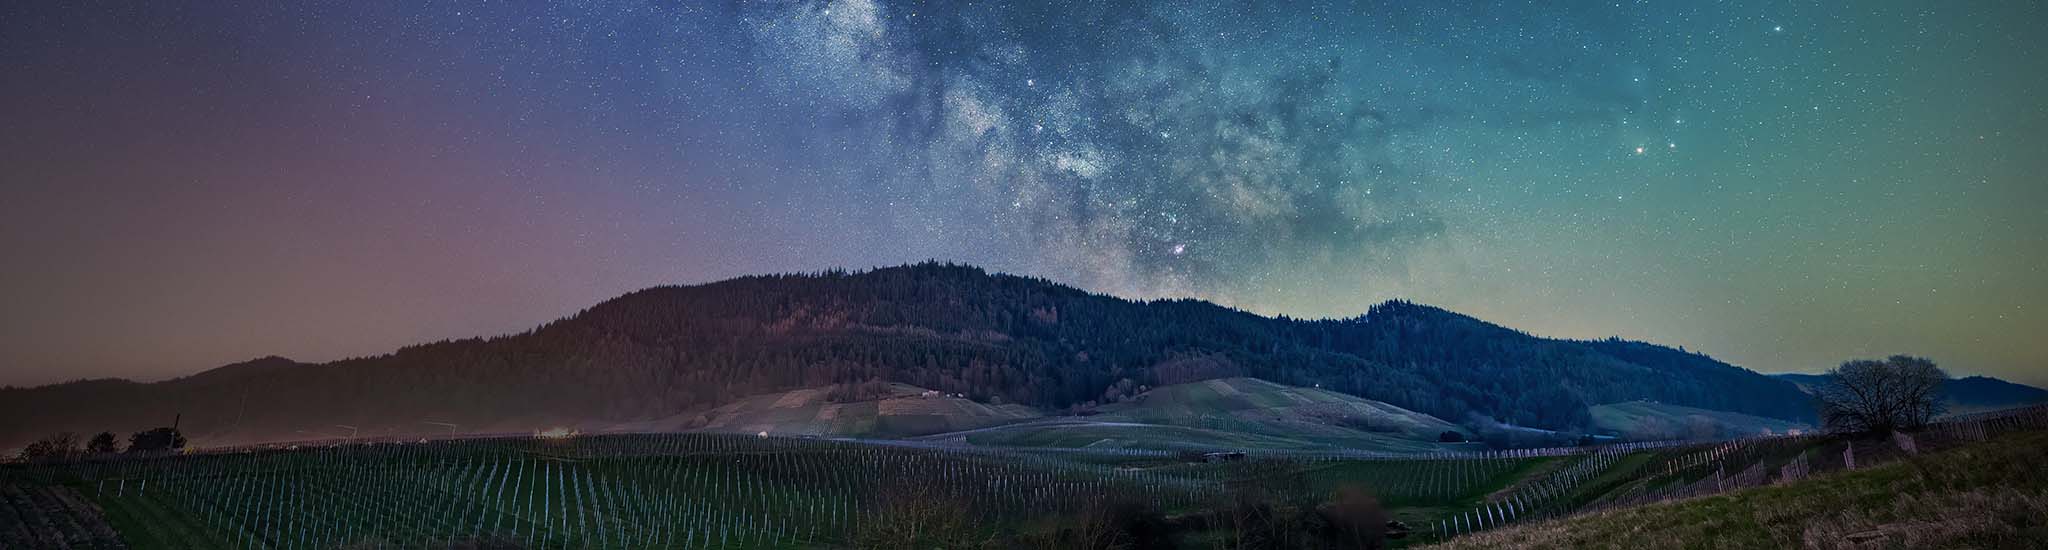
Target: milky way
column 1781, row 186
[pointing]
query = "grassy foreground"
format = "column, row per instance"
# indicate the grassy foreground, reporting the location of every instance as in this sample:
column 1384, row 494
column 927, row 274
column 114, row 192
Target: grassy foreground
column 1987, row 495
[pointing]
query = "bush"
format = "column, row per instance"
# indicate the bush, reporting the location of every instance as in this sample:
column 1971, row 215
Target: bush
column 1353, row 519
column 102, row 444
column 157, row 440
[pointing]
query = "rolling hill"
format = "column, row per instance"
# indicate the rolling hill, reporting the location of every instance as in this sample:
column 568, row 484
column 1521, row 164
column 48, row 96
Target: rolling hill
column 683, row 350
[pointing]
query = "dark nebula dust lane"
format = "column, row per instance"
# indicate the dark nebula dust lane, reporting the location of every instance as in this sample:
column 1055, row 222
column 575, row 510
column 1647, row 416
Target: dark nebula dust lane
column 1781, row 186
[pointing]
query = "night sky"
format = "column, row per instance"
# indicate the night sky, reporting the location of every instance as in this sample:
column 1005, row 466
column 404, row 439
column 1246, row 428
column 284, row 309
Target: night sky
column 1781, row 185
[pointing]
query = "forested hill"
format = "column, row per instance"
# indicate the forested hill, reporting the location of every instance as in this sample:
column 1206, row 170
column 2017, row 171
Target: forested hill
column 667, row 350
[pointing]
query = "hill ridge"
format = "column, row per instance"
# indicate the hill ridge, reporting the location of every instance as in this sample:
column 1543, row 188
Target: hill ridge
column 661, row 351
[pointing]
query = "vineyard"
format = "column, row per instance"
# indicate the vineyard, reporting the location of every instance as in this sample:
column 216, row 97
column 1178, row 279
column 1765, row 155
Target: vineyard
column 737, row 491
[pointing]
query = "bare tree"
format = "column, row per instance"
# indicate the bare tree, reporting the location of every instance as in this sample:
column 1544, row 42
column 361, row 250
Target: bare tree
column 1900, row 393
column 59, row 446
column 918, row 516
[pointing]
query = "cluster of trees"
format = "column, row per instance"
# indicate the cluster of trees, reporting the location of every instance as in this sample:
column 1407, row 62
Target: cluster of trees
column 850, row 392
column 956, row 329
column 62, row 446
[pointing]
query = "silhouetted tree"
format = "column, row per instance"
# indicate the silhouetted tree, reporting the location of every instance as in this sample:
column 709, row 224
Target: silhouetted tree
column 1899, row 393
column 1450, row 436
column 156, row 440
column 58, row 446
column 102, row 444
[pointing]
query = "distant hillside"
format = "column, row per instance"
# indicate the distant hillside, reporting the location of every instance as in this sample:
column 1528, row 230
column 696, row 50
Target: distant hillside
column 1233, row 413
column 667, row 351
column 1983, row 393
column 904, row 411
column 1258, row 406
column 1963, row 395
column 1645, row 421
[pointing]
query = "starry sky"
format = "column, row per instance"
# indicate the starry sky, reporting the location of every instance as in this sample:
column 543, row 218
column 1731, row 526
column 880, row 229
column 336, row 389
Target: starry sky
column 1783, row 185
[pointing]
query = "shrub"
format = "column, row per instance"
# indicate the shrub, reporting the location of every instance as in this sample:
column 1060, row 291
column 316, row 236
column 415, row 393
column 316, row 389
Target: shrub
column 1353, row 519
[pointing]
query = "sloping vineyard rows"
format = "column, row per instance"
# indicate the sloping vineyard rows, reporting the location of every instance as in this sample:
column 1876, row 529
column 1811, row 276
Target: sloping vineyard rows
column 1667, row 471
column 732, row 491
column 51, row 517
column 1783, row 459
column 1443, row 479
column 1508, row 454
column 1723, row 467
column 1541, row 496
column 637, row 491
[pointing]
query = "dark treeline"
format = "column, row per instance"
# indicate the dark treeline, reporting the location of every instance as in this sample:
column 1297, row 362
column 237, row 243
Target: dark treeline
column 668, row 350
